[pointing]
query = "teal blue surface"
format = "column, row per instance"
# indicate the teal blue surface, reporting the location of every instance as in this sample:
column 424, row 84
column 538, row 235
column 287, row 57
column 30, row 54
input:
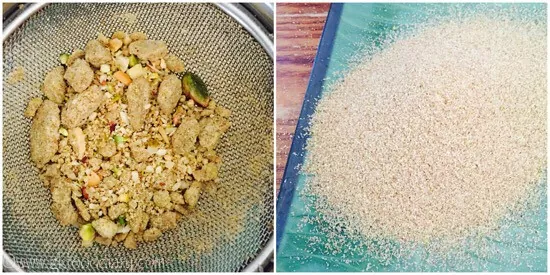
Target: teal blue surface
column 521, row 247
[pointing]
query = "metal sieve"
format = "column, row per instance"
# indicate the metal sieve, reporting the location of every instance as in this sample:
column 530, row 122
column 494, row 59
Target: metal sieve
column 232, row 229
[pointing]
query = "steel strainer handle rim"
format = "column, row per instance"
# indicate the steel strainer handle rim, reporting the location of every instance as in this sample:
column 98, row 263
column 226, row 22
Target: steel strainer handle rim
column 244, row 18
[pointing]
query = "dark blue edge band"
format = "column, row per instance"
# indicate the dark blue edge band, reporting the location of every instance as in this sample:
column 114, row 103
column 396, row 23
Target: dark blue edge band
column 313, row 93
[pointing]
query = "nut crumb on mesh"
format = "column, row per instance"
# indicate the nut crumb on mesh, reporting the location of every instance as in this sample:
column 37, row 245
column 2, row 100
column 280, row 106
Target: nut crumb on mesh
column 130, row 18
column 16, row 75
column 32, row 107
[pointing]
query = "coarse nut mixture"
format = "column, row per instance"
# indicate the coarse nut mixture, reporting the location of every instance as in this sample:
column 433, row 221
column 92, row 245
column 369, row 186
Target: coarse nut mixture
column 123, row 143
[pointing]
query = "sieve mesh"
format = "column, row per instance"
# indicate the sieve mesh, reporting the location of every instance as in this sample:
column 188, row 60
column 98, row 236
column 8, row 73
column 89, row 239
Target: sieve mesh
column 231, row 225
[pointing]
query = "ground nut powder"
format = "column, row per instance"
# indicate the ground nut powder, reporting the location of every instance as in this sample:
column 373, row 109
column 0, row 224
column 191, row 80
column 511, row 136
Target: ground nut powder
column 435, row 137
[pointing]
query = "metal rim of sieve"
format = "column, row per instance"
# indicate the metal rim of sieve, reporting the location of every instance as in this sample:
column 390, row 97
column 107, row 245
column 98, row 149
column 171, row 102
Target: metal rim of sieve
column 246, row 19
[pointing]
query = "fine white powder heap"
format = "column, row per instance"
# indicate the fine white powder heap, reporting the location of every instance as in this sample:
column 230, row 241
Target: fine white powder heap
column 437, row 136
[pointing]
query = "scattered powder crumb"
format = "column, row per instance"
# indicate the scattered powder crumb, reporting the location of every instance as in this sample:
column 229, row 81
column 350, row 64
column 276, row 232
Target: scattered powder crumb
column 16, row 75
column 434, row 138
column 130, row 18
